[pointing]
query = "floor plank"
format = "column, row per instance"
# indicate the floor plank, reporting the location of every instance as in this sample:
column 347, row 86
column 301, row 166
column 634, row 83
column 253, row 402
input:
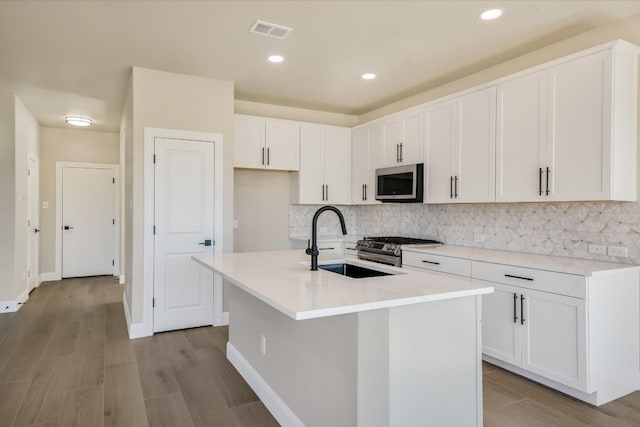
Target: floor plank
column 83, row 407
column 11, row 397
column 169, row 410
column 123, row 400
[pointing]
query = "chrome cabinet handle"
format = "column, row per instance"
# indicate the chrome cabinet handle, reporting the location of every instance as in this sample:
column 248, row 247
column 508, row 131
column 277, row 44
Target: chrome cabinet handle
column 540, row 182
column 268, row 151
column 263, row 156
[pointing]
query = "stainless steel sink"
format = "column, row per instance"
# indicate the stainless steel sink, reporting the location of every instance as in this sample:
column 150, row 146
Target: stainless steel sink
column 354, row 271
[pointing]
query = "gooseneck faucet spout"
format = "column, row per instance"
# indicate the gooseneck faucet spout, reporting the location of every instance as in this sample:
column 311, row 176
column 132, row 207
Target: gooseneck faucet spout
column 312, row 246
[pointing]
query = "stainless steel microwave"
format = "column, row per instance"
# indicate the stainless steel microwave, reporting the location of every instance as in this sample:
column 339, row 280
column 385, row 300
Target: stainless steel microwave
column 400, row 184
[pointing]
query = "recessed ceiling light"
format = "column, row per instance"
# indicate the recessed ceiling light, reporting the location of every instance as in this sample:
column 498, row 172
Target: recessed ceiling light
column 78, row 121
column 490, row 14
column 368, row 76
column 276, row 58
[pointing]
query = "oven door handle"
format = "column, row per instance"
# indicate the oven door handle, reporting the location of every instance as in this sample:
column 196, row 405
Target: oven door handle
column 382, row 259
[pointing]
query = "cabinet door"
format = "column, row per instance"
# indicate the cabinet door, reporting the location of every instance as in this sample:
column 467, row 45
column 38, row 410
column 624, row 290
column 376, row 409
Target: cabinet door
column 311, row 174
column 521, row 139
column 337, row 165
column 440, row 138
column 248, row 144
column 375, row 156
column 554, row 338
column 476, row 158
column 392, row 134
column 359, row 164
column 411, row 148
column 501, row 323
column 283, row 145
column 579, row 139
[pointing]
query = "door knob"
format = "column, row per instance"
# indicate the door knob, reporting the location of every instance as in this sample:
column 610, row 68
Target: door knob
column 207, row 242
column 68, row 227
column 36, row 230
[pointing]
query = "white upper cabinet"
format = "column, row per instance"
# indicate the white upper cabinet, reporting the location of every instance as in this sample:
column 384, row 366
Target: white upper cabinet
column 460, row 149
column 366, row 149
column 521, row 138
column 441, row 141
column 403, row 139
column 477, row 144
column 325, row 166
column 568, row 132
column 263, row 143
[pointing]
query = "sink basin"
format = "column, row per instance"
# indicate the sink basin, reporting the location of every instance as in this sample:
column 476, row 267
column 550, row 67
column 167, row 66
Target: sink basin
column 351, row 270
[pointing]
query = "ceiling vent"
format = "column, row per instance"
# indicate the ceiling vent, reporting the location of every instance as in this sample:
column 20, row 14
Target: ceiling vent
column 270, row 30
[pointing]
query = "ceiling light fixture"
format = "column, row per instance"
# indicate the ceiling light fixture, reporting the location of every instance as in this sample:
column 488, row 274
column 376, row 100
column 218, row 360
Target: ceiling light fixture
column 490, row 14
column 368, row 76
column 276, row 59
column 78, row 121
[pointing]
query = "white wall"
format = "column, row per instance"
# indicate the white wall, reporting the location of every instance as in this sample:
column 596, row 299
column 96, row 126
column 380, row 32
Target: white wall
column 7, row 195
column 66, row 145
column 180, row 102
column 27, row 142
column 261, row 200
column 18, row 137
column 126, row 196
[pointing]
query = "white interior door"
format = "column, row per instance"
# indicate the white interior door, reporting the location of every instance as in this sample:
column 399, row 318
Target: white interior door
column 184, row 221
column 33, row 224
column 88, row 221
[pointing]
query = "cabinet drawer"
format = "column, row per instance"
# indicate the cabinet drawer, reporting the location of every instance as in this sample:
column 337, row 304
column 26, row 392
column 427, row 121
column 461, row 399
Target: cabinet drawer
column 547, row 281
column 350, row 249
column 443, row 264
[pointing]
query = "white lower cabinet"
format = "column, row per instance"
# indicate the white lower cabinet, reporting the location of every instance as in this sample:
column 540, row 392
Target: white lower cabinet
column 541, row 332
column 574, row 332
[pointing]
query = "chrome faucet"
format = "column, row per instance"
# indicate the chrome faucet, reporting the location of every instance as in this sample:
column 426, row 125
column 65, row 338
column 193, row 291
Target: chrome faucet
column 312, row 245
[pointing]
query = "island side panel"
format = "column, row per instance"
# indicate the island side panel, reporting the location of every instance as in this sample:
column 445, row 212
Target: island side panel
column 373, row 368
column 310, row 364
column 435, row 364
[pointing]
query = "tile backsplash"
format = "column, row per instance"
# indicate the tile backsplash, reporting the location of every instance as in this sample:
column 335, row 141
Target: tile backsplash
column 562, row 229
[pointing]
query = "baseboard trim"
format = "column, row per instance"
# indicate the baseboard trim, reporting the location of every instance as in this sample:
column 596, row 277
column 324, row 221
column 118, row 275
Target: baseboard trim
column 136, row 330
column 24, row 296
column 9, row 306
column 50, row 277
column 278, row 408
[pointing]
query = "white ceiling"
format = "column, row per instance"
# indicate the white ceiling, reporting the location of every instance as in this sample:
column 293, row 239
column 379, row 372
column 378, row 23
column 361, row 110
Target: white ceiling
column 65, row 57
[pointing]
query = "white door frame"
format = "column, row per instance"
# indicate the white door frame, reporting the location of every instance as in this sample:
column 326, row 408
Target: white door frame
column 116, row 211
column 150, row 134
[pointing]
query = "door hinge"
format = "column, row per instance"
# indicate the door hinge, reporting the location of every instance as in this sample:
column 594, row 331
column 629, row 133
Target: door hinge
column 153, row 302
column 113, row 262
column 28, row 172
column 113, row 221
column 29, row 223
column 154, row 230
column 154, row 158
column 113, row 180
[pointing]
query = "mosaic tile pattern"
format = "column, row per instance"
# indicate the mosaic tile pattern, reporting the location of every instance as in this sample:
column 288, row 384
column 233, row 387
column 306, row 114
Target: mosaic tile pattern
column 300, row 217
column 562, row 229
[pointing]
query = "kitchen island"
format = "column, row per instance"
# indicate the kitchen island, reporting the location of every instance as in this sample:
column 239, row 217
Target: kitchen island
column 320, row 348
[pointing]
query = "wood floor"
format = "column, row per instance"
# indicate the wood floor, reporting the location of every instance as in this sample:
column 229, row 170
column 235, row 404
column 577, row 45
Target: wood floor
column 66, row 360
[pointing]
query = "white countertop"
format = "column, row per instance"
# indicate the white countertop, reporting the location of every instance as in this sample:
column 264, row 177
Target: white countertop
column 283, row 280
column 582, row 267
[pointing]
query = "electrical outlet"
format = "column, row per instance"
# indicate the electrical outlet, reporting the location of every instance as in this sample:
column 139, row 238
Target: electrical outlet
column 597, row 249
column 263, row 344
column 45, row 205
column 619, row 251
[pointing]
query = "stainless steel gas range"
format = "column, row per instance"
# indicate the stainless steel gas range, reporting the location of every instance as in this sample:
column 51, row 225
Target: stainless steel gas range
column 388, row 249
